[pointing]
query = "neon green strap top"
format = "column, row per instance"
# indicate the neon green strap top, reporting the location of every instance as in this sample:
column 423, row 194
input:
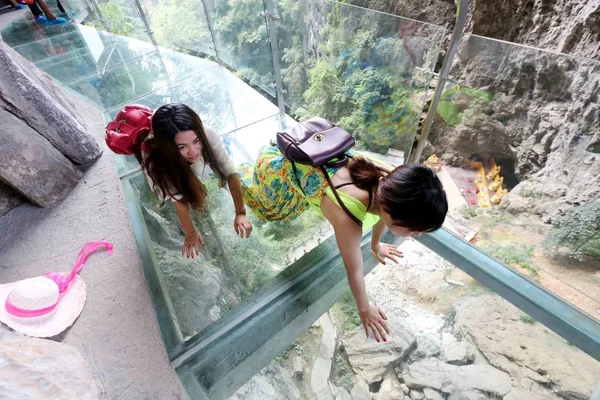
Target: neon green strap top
column 357, row 208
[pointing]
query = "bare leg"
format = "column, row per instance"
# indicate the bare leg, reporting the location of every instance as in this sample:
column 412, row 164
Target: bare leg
column 35, row 10
column 45, row 9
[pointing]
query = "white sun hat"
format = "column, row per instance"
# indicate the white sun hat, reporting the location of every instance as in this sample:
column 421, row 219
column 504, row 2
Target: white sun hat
column 45, row 306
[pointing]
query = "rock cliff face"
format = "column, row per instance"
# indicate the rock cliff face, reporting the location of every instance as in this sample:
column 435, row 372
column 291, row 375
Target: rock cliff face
column 567, row 26
column 537, row 113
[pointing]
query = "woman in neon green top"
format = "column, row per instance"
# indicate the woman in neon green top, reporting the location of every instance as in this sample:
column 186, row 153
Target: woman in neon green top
column 407, row 200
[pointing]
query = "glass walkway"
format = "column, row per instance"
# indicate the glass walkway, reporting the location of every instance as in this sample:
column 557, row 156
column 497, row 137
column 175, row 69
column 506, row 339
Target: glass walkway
column 500, row 304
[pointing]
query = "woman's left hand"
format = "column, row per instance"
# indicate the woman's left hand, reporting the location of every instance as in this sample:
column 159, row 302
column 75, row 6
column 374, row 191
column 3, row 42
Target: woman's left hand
column 384, row 250
column 242, row 226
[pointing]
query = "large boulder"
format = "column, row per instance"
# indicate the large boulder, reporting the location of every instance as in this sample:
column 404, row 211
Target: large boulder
column 455, row 351
column 30, row 164
column 271, row 383
column 370, row 360
column 520, row 346
column 435, row 374
column 9, row 199
column 31, row 96
column 193, row 285
column 390, row 388
column 32, row 368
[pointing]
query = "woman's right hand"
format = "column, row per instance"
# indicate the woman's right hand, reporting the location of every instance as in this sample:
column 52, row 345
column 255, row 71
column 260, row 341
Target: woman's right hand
column 192, row 243
column 373, row 319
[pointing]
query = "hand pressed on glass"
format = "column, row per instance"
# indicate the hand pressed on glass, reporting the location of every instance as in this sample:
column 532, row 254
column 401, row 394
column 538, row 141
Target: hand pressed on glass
column 373, row 319
column 191, row 245
column 242, row 226
column 384, row 250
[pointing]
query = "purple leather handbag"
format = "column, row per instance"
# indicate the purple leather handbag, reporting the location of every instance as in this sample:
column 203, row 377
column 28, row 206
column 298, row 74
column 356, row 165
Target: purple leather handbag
column 314, row 142
column 319, row 143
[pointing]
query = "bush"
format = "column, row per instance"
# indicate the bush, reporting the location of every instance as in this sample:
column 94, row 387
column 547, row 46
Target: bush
column 449, row 112
column 512, row 255
column 348, row 307
column 468, row 212
column 576, row 235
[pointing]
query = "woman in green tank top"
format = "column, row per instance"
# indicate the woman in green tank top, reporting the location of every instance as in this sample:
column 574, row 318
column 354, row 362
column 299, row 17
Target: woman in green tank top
column 407, row 200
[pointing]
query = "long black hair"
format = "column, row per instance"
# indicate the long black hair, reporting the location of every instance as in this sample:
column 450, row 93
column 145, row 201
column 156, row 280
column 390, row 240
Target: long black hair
column 412, row 194
column 165, row 165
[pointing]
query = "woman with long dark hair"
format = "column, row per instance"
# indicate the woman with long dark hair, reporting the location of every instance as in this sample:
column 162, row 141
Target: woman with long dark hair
column 177, row 155
column 407, row 200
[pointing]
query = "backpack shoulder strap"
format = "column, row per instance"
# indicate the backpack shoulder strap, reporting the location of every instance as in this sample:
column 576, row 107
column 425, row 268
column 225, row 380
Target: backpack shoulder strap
column 337, row 196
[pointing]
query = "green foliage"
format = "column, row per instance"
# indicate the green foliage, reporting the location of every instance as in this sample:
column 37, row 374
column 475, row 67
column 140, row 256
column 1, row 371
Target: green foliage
column 512, row 255
column 176, row 24
column 576, row 235
column 449, row 111
column 282, row 357
column 242, row 39
column 469, row 212
column 531, row 194
column 115, row 19
column 342, row 374
column 248, row 263
column 348, row 307
column 527, row 319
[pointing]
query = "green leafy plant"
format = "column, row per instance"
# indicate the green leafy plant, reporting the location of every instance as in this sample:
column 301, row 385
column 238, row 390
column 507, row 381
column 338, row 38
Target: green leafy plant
column 448, row 109
column 512, row 255
column 348, row 307
column 576, row 235
column 527, row 319
column 469, row 212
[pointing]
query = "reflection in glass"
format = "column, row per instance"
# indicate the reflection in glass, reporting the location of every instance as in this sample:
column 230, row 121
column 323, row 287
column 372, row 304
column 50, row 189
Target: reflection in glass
column 515, row 132
column 367, row 71
column 203, row 289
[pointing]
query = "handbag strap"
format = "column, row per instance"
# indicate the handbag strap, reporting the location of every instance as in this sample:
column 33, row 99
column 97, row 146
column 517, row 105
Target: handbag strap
column 333, row 189
column 337, row 196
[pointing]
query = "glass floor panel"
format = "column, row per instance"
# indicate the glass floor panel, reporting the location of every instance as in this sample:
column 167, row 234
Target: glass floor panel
column 189, row 295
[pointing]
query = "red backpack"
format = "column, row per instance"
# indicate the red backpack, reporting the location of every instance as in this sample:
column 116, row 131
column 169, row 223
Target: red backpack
column 125, row 130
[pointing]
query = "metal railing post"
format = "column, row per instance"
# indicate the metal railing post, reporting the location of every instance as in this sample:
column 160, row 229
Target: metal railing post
column 272, row 27
column 212, row 33
column 459, row 26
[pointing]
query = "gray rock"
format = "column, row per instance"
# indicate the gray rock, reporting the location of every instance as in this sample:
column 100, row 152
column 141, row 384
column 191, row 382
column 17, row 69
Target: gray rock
column 271, row 383
column 33, row 368
column 521, row 348
column 390, row 388
column 193, row 286
column 417, row 395
column 431, row 394
column 297, row 367
column 520, row 394
column 369, row 359
column 340, row 393
column 427, row 346
column 360, row 391
column 161, row 230
column 31, row 165
column 9, row 199
column 456, row 352
column 435, row 374
column 571, row 27
column 541, row 119
column 405, row 389
column 30, row 95
column 468, row 395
